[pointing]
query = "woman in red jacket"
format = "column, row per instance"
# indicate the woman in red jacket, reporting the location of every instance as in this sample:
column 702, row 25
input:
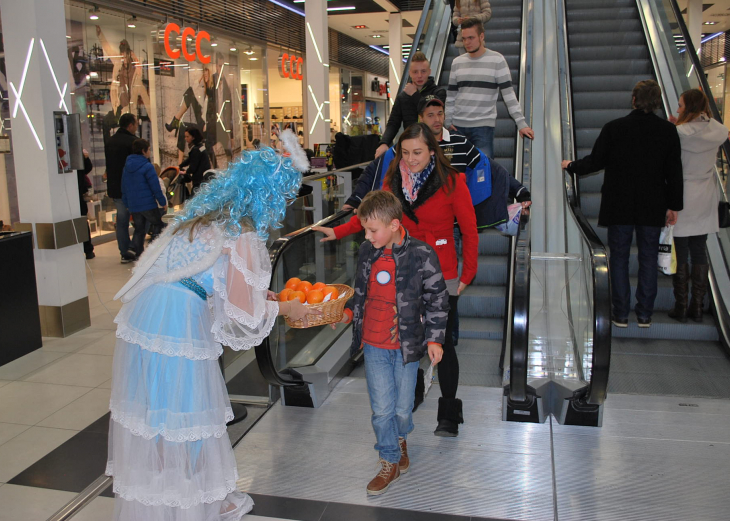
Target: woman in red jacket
column 434, row 196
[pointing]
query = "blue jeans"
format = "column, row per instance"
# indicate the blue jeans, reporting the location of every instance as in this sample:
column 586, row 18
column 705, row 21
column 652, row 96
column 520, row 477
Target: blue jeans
column 122, row 226
column 480, row 137
column 619, row 241
column 392, row 388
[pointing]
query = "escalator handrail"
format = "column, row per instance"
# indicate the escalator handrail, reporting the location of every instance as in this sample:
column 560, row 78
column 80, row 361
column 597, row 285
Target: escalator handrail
column 415, row 47
column 518, row 294
column 276, row 251
column 322, row 175
column 598, row 385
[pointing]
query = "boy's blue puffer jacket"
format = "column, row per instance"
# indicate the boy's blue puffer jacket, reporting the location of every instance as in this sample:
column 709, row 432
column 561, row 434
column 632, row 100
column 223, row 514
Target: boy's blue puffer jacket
column 140, row 188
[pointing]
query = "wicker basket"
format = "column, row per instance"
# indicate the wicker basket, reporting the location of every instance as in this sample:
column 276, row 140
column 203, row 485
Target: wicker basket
column 332, row 310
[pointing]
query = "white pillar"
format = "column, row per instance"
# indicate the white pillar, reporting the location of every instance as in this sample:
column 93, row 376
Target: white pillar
column 694, row 22
column 395, row 41
column 34, row 32
column 317, row 66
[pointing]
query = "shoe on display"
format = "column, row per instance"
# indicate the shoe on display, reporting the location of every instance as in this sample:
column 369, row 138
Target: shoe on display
column 644, row 322
column 405, row 463
column 620, row 322
column 389, row 473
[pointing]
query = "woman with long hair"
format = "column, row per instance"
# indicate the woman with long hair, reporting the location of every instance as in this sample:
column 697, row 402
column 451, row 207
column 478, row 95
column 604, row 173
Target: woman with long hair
column 700, row 136
column 434, row 195
column 201, row 285
column 198, row 161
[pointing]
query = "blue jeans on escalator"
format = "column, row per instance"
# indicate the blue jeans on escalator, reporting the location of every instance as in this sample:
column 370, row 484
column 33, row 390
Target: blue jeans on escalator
column 480, row 137
column 619, row 242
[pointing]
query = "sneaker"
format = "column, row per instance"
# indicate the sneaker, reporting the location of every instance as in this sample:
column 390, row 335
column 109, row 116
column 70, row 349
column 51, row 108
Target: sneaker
column 644, row 322
column 90, row 255
column 389, row 473
column 620, row 322
column 405, row 463
column 130, row 256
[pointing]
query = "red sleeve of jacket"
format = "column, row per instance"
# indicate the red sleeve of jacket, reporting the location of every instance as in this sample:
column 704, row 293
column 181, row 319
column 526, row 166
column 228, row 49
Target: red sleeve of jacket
column 465, row 216
column 353, row 226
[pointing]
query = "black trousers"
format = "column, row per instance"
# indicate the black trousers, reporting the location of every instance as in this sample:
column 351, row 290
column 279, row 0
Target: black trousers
column 141, row 219
column 448, row 368
column 693, row 246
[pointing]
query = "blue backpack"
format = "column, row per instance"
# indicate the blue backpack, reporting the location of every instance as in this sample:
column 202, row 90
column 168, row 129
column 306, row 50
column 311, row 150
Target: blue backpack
column 479, row 180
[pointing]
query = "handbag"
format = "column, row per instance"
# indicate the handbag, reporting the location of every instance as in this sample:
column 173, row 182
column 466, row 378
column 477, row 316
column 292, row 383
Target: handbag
column 723, row 214
column 667, row 258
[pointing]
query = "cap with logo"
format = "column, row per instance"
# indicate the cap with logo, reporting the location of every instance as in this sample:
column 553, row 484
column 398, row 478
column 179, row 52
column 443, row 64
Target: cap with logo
column 427, row 101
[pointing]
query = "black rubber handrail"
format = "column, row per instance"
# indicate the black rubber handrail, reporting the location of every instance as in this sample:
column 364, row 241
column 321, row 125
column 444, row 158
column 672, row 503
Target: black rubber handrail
column 521, row 264
column 322, row 175
column 598, row 386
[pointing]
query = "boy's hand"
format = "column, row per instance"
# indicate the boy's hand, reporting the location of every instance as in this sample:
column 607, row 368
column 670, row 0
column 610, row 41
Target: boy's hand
column 328, row 232
column 435, row 352
column 344, row 320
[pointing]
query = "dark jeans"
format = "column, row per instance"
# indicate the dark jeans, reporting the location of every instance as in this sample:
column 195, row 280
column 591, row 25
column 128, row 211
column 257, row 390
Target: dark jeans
column 449, row 366
column 480, row 137
column 122, row 226
column 619, row 242
column 693, row 245
column 88, row 247
column 140, row 227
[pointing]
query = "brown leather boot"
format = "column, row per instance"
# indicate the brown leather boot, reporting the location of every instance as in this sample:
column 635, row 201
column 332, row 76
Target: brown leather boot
column 680, row 281
column 699, row 289
column 405, row 463
column 389, row 473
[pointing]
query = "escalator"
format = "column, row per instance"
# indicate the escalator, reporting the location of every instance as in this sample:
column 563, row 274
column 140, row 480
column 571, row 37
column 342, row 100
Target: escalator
column 613, row 44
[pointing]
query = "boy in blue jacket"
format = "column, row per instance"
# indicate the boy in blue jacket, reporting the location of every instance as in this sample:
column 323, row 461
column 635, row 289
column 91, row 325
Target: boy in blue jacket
column 141, row 192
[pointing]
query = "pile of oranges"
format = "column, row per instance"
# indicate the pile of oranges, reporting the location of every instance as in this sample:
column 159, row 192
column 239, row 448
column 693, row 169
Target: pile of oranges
column 307, row 292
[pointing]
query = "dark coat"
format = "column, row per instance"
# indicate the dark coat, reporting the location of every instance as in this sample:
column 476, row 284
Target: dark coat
column 116, row 150
column 140, row 185
column 405, row 109
column 493, row 210
column 421, row 296
column 198, row 163
column 84, row 184
column 642, row 159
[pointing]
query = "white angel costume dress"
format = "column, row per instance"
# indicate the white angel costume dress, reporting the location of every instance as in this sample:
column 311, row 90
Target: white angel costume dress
column 169, row 453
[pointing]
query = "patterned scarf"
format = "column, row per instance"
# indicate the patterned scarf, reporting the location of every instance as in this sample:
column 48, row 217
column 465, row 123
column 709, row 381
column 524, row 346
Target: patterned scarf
column 412, row 182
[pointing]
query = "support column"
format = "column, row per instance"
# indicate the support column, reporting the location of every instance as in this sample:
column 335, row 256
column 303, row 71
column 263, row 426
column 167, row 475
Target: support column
column 34, row 33
column 395, row 41
column 317, row 67
column 694, row 23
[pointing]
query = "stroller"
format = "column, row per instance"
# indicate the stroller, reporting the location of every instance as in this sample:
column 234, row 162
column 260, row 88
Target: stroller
column 177, row 190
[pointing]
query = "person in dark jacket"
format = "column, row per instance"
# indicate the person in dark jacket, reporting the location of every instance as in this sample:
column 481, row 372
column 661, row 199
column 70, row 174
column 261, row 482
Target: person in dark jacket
column 141, row 192
column 405, row 108
column 82, row 176
column 642, row 190
column 116, row 150
column 198, row 161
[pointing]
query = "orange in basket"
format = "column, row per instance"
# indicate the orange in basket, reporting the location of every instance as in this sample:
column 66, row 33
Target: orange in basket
column 332, row 310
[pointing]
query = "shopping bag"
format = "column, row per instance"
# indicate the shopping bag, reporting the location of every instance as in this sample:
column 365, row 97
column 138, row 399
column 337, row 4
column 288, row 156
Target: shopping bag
column 513, row 223
column 427, row 379
column 667, row 256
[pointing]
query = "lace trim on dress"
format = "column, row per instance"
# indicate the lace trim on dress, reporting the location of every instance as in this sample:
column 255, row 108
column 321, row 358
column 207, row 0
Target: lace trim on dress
column 199, row 432
column 259, row 282
column 132, row 493
column 165, row 347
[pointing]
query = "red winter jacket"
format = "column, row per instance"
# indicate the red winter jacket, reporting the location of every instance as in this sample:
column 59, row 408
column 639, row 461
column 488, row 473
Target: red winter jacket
column 436, row 211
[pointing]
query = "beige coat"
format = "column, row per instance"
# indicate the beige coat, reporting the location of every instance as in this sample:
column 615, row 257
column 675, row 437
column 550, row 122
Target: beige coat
column 479, row 9
column 699, row 140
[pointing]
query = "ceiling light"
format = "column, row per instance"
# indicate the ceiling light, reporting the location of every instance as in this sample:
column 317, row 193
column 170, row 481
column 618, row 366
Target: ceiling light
column 93, row 16
column 67, row 36
column 131, row 23
column 253, row 59
column 248, row 51
column 214, row 44
column 349, row 8
column 377, row 36
column 94, row 74
column 233, row 48
column 359, row 26
column 710, row 23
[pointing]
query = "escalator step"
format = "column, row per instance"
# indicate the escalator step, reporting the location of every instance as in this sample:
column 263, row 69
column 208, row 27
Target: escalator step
column 600, row 13
column 506, row 22
column 614, row 100
column 483, row 328
column 624, row 82
column 598, row 25
column 619, row 53
column 599, row 39
column 664, row 327
column 599, row 4
column 600, row 68
column 596, row 118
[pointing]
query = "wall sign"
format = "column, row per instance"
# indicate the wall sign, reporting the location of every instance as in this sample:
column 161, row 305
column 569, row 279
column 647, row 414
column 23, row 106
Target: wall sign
column 187, row 32
column 291, row 66
column 164, row 67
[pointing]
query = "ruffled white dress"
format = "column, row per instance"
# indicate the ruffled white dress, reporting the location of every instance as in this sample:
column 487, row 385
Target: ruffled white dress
column 168, row 450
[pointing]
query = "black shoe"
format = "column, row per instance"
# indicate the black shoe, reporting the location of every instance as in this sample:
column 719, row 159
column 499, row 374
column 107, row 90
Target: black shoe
column 447, row 429
column 90, row 255
column 172, row 125
column 620, row 322
column 644, row 322
column 130, row 256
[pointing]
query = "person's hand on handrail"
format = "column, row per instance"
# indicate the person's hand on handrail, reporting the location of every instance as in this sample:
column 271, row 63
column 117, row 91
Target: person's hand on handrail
column 328, row 232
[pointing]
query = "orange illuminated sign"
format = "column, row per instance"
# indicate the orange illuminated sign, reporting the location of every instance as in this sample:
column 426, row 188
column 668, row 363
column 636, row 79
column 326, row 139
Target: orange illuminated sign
column 290, row 66
column 187, row 32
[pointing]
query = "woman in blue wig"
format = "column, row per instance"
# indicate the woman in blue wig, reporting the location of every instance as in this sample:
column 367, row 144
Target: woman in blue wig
column 202, row 284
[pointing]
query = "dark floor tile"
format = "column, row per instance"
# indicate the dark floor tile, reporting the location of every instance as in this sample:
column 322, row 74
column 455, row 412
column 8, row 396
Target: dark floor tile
column 70, row 467
column 288, row 508
column 101, row 425
column 341, row 511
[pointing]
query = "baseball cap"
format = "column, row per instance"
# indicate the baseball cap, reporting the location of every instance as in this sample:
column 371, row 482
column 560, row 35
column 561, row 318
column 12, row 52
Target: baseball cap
column 427, row 101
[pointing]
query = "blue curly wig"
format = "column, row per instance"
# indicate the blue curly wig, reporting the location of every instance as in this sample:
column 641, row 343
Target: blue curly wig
column 257, row 186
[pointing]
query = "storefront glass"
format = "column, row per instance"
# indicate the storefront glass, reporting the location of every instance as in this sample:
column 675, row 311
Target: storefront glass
column 286, row 92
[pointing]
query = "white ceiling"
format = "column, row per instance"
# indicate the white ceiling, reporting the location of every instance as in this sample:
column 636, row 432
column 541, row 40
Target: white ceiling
column 718, row 12
column 377, row 23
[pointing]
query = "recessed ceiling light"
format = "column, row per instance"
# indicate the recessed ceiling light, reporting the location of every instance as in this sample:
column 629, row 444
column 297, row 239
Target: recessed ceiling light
column 710, row 23
column 377, row 36
column 233, row 49
column 67, row 36
column 214, row 44
column 248, row 51
column 348, row 8
column 93, row 17
column 359, row 26
column 253, row 59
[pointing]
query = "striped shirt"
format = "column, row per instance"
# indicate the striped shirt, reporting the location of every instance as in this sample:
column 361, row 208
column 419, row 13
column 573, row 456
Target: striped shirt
column 459, row 151
column 474, row 87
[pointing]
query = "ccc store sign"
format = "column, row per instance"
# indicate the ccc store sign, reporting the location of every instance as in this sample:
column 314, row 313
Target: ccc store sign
column 187, row 32
column 290, row 66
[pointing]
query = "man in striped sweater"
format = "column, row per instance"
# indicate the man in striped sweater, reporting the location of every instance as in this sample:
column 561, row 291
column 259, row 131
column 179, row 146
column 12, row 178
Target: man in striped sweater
column 476, row 80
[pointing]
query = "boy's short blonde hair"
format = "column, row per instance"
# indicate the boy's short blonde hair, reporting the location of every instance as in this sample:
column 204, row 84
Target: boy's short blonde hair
column 380, row 205
column 419, row 56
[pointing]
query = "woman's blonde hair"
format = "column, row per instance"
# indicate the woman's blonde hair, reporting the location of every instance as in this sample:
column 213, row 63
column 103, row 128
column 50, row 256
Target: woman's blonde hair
column 208, row 219
column 695, row 104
